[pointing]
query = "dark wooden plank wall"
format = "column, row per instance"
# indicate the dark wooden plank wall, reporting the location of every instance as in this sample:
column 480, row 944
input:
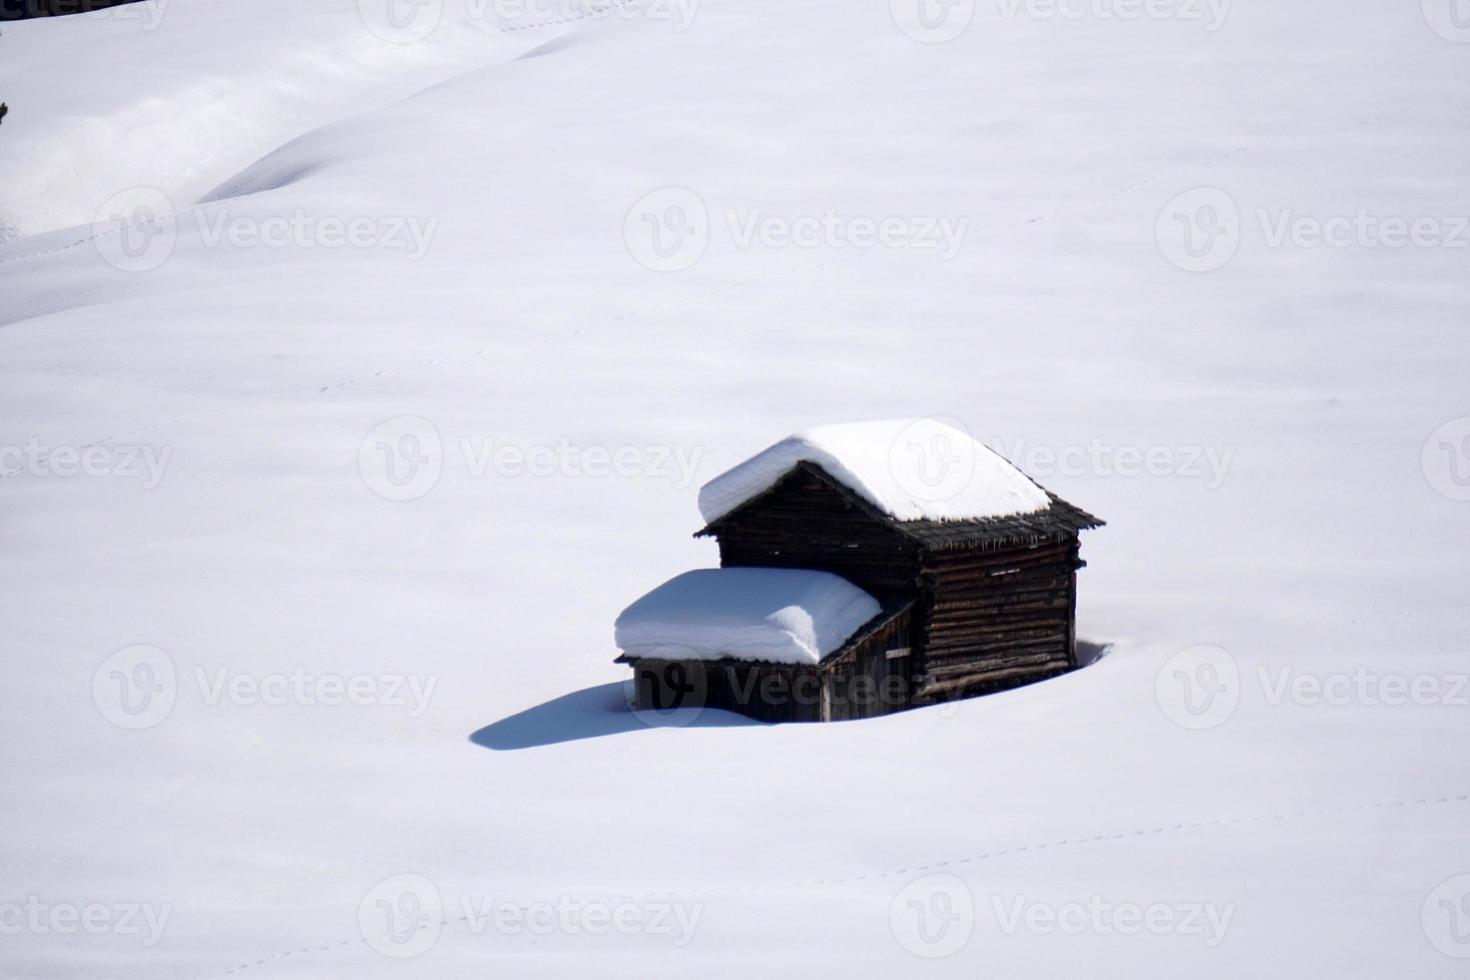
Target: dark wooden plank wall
column 990, row 615
column 859, row 681
column 766, row 692
column 996, row 619
column 803, row 522
column 863, row 681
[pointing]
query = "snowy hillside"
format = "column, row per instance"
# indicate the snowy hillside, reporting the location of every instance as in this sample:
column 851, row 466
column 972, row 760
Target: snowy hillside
column 360, row 361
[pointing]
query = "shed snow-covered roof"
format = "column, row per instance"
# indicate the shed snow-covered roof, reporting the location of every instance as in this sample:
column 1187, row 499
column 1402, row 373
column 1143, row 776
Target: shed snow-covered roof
column 777, row 615
column 909, row 469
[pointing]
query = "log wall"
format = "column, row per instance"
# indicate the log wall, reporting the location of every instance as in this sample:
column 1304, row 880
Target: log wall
column 805, row 523
column 872, row 676
column 766, row 692
column 992, row 611
column 859, row 681
column 996, row 619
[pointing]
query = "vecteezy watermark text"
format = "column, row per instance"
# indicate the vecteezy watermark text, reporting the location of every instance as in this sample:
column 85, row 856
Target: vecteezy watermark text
column 1202, row 229
column 1209, row 464
column 404, row 458
column 40, row 917
column 668, row 230
column 938, row 21
column 1200, row 687
column 138, row 229
column 1104, row 917
column 935, row 915
column 570, row 916
column 138, row 686
column 410, row 21
column 143, row 463
column 221, row 685
column 403, row 915
column 1210, row 14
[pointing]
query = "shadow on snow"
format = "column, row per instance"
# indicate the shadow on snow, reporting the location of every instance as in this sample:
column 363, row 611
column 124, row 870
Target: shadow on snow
column 594, row 712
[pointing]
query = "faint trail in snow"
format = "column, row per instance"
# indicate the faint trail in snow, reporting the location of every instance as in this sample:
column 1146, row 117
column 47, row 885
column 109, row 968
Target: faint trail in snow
column 1096, row 838
column 953, row 862
column 62, row 248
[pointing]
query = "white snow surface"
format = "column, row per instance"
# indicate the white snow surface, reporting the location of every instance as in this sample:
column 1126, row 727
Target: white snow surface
column 910, row 469
column 1303, row 513
column 776, row 615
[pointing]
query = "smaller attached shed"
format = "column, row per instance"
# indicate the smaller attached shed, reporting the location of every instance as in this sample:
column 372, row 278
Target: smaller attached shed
column 779, row 644
column 968, row 568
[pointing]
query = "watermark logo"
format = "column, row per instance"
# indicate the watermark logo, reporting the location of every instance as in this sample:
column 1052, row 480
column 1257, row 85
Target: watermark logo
column 1202, row 229
column 143, row 463
column 669, row 688
column 1446, row 459
column 148, row 14
column 571, row 460
column 1446, row 917
column 401, row 916
column 136, row 230
column 1100, row 917
column 1362, row 686
column 307, row 688
column 1362, row 229
column 1210, row 13
column 410, row 21
column 1199, row 230
column 1208, row 464
column 667, row 230
column 932, row 459
column 524, row 14
column 1198, row 688
column 40, row 917
column 1450, row 19
column 943, row 235
column 569, row 916
column 933, row 916
column 670, row 229
column 402, row 459
column 400, row 21
column 302, row 229
column 932, row 21
column 136, row 687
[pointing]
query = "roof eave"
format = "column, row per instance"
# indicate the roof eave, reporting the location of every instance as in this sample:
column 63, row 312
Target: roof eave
column 1073, row 519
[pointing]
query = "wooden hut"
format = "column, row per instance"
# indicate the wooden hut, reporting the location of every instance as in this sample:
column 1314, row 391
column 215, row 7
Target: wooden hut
column 974, row 568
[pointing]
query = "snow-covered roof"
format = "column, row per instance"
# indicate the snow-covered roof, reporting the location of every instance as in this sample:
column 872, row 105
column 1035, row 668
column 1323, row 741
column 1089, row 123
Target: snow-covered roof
column 910, row 469
column 778, row 615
